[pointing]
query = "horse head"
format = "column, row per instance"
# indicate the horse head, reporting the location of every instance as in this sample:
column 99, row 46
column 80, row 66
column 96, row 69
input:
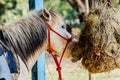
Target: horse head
column 56, row 22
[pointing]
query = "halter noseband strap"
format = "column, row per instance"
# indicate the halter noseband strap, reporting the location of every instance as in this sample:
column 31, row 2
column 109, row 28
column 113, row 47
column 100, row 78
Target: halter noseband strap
column 50, row 50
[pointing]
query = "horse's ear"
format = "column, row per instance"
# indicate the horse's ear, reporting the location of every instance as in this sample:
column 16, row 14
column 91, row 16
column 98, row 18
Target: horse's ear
column 46, row 14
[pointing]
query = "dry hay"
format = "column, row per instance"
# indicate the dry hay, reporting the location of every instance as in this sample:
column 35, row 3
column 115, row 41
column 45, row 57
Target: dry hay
column 100, row 40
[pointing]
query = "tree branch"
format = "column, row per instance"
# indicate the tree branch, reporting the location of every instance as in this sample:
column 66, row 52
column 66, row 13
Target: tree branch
column 81, row 6
column 86, row 7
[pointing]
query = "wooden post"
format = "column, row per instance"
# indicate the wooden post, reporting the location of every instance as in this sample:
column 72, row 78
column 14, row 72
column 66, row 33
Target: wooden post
column 41, row 67
column 91, row 76
column 38, row 71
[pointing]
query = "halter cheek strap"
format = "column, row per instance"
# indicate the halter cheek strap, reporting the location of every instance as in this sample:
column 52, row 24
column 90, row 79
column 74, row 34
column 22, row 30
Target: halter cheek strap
column 50, row 50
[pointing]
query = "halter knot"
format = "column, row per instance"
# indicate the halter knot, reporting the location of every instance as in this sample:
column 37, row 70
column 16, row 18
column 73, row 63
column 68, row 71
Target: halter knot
column 70, row 39
column 58, row 68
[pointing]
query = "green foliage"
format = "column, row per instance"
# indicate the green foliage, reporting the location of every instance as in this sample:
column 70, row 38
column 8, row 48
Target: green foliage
column 116, row 5
column 63, row 7
column 12, row 9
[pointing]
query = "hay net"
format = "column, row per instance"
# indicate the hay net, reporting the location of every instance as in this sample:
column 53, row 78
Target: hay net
column 101, row 40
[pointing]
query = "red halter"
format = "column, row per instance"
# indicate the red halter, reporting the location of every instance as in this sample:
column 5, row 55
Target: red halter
column 50, row 50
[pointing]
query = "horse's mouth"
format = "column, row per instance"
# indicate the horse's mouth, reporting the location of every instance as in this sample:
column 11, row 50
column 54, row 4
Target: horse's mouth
column 75, row 59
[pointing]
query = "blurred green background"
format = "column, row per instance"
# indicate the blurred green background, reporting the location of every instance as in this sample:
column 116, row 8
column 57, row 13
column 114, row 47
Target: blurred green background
column 11, row 10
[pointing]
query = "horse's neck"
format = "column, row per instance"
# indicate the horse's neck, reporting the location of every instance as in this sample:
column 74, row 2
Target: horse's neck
column 31, row 61
column 24, row 73
column 34, row 58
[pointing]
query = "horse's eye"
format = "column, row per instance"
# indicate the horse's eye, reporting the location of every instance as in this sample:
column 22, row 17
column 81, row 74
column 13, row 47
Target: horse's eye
column 63, row 26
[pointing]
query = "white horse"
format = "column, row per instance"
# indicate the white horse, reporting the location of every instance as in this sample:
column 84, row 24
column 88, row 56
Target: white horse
column 28, row 37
